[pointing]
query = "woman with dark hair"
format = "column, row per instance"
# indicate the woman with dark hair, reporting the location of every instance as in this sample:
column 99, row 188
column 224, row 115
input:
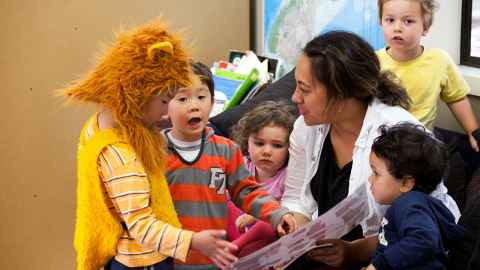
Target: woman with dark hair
column 343, row 99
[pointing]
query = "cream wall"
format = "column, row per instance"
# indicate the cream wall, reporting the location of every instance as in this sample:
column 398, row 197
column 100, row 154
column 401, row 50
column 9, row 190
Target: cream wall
column 44, row 45
column 445, row 34
column 445, row 31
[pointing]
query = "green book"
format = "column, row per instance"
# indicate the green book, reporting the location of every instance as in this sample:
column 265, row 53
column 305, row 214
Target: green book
column 229, row 75
column 243, row 89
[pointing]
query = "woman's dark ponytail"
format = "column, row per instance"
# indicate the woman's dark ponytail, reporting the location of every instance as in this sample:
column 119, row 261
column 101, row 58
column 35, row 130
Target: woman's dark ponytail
column 349, row 68
column 390, row 92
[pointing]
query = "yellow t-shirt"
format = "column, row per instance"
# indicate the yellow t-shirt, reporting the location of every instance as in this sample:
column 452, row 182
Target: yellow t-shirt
column 427, row 77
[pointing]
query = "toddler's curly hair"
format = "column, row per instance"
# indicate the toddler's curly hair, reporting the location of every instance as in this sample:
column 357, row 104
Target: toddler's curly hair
column 265, row 114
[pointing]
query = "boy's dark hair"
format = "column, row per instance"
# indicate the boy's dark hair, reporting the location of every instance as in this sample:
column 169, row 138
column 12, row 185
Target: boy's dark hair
column 205, row 75
column 349, row 68
column 409, row 150
column 265, row 114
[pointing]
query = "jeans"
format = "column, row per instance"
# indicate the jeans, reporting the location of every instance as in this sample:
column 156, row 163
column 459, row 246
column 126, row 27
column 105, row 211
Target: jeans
column 166, row 264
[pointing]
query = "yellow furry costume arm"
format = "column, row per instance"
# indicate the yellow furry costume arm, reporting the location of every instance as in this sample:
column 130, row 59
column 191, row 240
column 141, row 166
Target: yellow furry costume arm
column 128, row 186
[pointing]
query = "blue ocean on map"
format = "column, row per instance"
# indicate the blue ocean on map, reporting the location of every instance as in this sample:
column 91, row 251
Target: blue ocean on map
column 271, row 8
column 363, row 22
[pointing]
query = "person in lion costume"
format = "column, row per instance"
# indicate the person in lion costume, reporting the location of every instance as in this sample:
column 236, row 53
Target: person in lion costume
column 125, row 216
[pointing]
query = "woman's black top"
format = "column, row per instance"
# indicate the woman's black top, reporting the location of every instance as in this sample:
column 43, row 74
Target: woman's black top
column 330, row 184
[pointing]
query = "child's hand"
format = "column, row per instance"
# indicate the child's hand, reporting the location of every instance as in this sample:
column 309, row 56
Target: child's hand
column 474, row 139
column 244, row 221
column 211, row 244
column 287, row 225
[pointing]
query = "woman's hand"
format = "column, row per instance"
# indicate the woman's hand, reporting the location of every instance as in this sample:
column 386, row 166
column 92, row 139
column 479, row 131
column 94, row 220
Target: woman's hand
column 244, row 221
column 333, row 255
column 287, row 225
column 211, row 244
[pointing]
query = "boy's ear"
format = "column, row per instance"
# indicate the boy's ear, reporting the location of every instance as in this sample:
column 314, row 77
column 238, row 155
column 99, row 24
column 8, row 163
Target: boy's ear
column 407, row 184
column 425, row 31
column 426, row 28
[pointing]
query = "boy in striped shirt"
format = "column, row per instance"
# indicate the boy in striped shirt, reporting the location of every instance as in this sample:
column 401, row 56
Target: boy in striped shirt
column 202, row 167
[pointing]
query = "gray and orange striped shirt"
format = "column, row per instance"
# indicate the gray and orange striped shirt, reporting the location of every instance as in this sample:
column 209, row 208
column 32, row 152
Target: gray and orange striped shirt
column 199, row 190
column 146, row 240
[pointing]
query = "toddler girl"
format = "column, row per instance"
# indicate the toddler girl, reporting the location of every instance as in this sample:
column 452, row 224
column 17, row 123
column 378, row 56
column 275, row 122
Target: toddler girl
column 263, row 135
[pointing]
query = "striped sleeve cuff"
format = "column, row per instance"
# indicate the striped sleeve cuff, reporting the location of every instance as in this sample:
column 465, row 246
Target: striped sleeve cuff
column 276, row 216
column 183, row 246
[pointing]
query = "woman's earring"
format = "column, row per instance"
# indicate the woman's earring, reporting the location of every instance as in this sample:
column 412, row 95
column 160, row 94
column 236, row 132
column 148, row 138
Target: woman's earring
column 340, row 108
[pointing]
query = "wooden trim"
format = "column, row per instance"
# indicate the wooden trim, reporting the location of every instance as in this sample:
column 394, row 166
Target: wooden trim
column 465, row 41
column 253, row 25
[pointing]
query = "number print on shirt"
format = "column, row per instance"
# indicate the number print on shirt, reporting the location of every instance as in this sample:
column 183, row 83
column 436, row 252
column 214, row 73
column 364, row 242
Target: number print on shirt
column 217, row 180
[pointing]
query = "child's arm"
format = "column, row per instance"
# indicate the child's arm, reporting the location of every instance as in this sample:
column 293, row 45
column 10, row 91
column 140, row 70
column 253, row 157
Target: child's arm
column 128, row 187
column 248, row 196
column 454, row 91
column 419, row 236
column 462, row 110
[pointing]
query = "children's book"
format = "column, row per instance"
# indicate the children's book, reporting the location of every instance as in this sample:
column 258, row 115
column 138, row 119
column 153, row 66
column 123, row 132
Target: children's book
column 232, row 75
column 257, row 87
column 243, row 89
column 227, row 82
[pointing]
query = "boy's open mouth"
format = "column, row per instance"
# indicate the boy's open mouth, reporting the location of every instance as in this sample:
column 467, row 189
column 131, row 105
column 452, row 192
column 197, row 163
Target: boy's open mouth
column 194, row 120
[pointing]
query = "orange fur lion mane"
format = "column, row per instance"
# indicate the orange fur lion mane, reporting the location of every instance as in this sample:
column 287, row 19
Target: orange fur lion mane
column 142, row 63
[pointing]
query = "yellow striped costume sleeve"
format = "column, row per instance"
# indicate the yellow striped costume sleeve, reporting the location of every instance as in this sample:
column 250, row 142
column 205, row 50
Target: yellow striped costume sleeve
column 146, row 239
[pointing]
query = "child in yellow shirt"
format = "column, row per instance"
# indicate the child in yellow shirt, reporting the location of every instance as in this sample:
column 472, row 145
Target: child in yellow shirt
column 426, row 74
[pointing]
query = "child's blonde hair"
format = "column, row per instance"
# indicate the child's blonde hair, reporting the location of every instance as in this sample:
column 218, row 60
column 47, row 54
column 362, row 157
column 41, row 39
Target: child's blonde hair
column 266, row 114
column 427, row 7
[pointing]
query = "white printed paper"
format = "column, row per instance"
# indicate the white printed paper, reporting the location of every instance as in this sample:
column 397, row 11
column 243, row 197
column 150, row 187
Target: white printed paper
column 331, row 225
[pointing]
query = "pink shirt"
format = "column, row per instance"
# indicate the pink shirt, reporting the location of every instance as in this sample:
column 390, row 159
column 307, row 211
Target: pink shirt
column 275, row 185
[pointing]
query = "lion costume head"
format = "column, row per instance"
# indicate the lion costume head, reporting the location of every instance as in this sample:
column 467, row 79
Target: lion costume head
column 145, row 62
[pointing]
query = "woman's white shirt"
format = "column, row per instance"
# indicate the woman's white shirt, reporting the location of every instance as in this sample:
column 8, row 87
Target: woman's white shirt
column 306, row 144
